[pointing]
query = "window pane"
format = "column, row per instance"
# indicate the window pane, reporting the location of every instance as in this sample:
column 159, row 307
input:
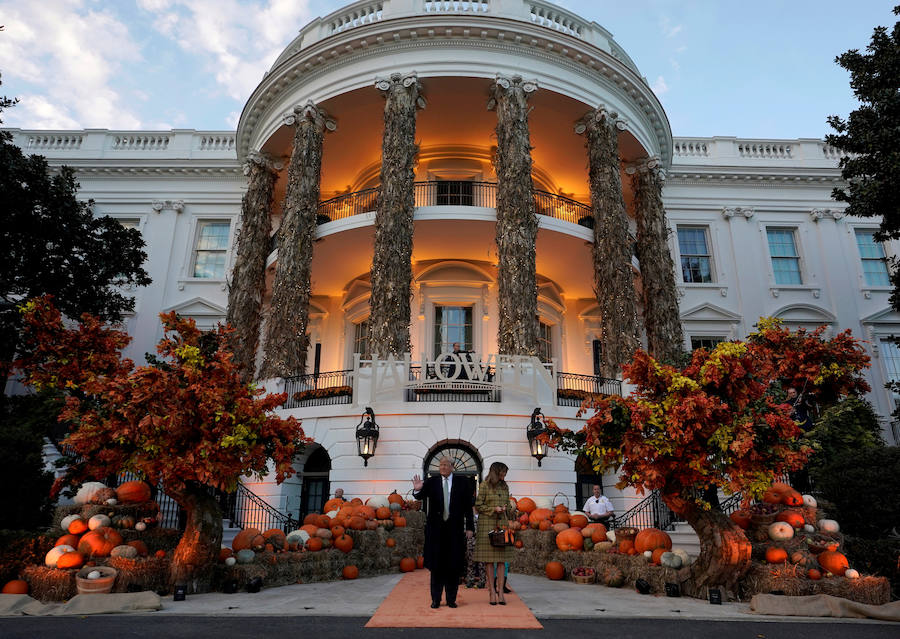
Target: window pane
column 545, row 342
column 210, row 264
column 361, row 339
column 695, row 257
column 213, row 236
column 874, row 264
column 890, row 355
column 211, row 250
column 785, row 260
column 452, row 324
column 709, row 343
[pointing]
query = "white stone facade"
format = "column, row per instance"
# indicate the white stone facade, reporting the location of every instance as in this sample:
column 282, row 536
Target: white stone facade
column 726, row 195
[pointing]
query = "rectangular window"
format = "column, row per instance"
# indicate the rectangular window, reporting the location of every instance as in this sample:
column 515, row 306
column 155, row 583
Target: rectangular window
column 545, row 342
column 361, row 339
column 707, row 342
column 696, row 262
column 452, row 324
column 455, row 192
column 129, row 223
column 873, row 259
column 785, row 259
column 890, row 355
column 211, row 250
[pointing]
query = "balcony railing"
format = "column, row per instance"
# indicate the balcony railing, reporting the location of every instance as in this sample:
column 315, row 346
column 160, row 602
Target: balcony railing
column 457, row 390
column 319, row 389
column 573, row 389
column 455, row 193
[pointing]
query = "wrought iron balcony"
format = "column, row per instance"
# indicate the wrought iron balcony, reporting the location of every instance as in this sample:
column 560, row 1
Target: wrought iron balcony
column 573, row 389
column 319, row 389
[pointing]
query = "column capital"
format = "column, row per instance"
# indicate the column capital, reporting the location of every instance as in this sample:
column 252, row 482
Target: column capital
column 581, row 126
column 263, row 160
column 650, row 166
column 310, row 112
column 404, row 80
column 729, row 212
column 506, row 83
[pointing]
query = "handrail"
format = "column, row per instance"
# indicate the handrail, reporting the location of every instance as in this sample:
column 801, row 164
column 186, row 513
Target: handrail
column 650, row 512
column 319, row 389
column 572, row 388
column 245, row 509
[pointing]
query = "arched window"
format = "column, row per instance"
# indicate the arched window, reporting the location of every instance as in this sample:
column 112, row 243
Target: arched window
column 466, row 460
column 316, row 486
column 585, row 479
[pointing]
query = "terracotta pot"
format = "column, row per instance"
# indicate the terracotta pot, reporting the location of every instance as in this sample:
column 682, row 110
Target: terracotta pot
column 98, row 586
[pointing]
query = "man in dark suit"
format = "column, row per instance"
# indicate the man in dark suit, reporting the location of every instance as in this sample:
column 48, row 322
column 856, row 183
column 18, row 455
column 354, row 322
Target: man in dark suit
column 447, row 525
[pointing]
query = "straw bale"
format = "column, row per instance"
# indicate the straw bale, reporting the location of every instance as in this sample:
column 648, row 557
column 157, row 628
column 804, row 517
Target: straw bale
column 792, row 581
column 145, row 573
column 50, row 584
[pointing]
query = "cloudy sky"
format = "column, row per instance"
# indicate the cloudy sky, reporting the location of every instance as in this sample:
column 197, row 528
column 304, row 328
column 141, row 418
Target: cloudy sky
column 720, row 67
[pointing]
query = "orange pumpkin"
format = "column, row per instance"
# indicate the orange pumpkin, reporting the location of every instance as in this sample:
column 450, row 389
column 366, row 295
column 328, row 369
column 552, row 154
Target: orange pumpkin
column 776, row 555
column 536, row 516
column 578, row 521
column 792, row 498
column 391, row 542
column 357, row 523
column 337, row 531
column 657, row 556
column 344, row 543
column 544, row 525
column 324, row 521
column 16, row 587
column 781, row 487
column 555, row 570
column 276, row 538
column 383, row 512
column 333, row 504
column 626, row 546
column 651, row 539
column 366, row 512
column 314, row 543
column 814, row 574
column 420, row 561
column 99, row 542
column 561, row 508
column 561, row 517
column 772, row 496
column 244, row 538
column 598, row 534
column 519, row 543
column 356, row 501
column 791, row 517
column 312, row 519
column 569, row 540
column 160, row 554
column 70, row 560
column 834, row 562
column 407, row 564
column 741, row 518
column 526, row 505
column 77, row 527
column 142, row 549
column 309, row 528
column 68, row 540
column 350, row 572
column 399, row 522
column 133, row 492
column 523, row 520
column 394, row 498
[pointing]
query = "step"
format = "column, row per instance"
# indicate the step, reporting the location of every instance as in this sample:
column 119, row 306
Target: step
column 683, row 536
column 228, row 533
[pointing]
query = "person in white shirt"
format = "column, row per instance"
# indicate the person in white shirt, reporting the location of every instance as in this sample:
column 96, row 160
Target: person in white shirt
column 598, row 508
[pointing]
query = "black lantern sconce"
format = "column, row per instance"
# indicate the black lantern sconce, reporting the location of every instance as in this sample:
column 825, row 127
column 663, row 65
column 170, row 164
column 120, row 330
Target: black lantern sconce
column 366, row 435
column 536, row 430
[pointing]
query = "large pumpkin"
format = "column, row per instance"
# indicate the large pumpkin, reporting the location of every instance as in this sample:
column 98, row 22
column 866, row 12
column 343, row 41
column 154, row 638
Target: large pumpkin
column 772, row 496
column 70, row 560
column 545, row 525
column 244, row 538
column 142, row 550
column 561, row 517
column 570, row 540
column 314, row 544
column 834, row 562
column 399, row 522
column 16, row 587
column 555, row 570
column 536, row 516
column 67, row 540
column 780, row 531
column 651, row 539
column 383, row 512
column 77, row 526
column 366, row 512
column 791, row 517
column 407, row 564
column 332, row 504
column 133, row 492
column 578, row 521
column 276, row 537
column 344, row 543
column 99, row 542
column 526, row 505
column 626, row 547
column 741, row 518
column 792, row 498
column 350, row 572
column 776, row 555
column 599, row 534
column 55, row 553
column 357, row 523
column 312, row 519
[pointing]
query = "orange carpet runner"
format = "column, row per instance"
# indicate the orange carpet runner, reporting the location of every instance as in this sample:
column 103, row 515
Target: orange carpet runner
column 409, row 606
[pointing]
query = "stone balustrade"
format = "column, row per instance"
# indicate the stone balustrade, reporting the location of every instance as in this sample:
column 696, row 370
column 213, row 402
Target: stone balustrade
column 100, row 144
column 728, row 151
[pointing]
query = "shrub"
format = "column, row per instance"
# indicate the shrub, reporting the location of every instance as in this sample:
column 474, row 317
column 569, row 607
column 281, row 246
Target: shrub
column 848, row 425
column 877, row 557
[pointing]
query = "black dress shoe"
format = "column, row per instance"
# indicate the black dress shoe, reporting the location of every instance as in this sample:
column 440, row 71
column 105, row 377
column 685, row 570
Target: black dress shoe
column 506, row 589
column 435, row 604
column 451, row 605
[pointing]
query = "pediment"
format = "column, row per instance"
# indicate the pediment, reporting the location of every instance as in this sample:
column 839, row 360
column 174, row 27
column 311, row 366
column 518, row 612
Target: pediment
column 709, row 313
column 360, row 287
column 550, row 292
column 884, row 316
column 197, row 307
column 805, row 313
column 453, row 273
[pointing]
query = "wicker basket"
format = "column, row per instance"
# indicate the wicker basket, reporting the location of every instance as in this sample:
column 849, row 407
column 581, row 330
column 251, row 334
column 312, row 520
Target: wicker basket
column 98, row 586
column 762, row 520
column 554, row 504
column 585, row 579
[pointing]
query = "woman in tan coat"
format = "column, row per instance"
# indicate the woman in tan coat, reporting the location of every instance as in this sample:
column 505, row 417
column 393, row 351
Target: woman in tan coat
column 494, row 510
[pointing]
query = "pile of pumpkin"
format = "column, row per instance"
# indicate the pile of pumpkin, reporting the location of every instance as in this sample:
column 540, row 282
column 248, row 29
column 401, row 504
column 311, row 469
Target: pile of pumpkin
column 331, row 530
column 787, row 528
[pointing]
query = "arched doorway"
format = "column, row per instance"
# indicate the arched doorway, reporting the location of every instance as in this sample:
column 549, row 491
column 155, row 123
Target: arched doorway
column 585, row 480
column 316, row 487
column 466, row 460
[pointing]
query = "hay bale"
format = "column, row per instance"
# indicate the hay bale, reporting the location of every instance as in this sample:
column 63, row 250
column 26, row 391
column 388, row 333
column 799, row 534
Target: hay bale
column 50, row 584
column 155, row 538
column 792, row 581
column 144, row 573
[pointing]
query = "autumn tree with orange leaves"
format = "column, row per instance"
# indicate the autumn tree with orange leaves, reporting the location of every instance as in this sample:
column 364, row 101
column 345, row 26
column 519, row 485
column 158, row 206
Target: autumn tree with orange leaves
column 188, row 422
column 718, row 423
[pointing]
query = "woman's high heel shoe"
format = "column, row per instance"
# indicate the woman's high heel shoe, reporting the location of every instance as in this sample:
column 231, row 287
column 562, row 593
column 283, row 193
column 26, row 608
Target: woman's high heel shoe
column 502, row 601
column 493, row 596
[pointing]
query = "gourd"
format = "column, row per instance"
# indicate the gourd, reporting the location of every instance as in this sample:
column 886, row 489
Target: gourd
column 776, row 555
column 577, row 520
column 245, row 538
column 77, row 526
column 124, row 521
column 791, row 517
column 344, row 543
column 97, row 521
column 809, row 528
column 569, row 540
column 834, row 562
column 670, row 560
column 55, row 553
column 99, row 542
column 70, row 560
column 651, row 539
column 124, row 551
column 829, row 526
column 407, row 564
column 554, row 570
column 561, row 527
column 809, row 501
column 588, row 544
column 16, row 587
column 851, row 573
column 603, row 546
column 682, row 553
column 780, row 531
column 245, row 556
column 350, row 572
column 613, row 577
column 140, row 526
column 526, row 505
column 87, row 492
column 133, row 492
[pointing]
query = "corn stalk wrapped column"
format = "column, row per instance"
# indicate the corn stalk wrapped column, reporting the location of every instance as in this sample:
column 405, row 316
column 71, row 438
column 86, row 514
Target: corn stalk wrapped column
column 661, row 316
column 613, row 278
column 392, row 260
column 517, row 223
column 248, row 279
column 286, row 337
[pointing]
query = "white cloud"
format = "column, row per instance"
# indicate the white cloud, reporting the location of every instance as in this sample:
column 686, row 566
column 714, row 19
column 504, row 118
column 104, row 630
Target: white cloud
column 659, row 86
column 70, row 62
column 232, row 119
column 239, row 38
column 669, row 30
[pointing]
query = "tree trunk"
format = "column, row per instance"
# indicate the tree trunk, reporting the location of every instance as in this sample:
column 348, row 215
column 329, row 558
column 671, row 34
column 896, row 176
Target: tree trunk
column 613, row 276
column 198, row 550
column 517, row 223
column 724, row 550
column 288, row 319
column 392, row 260
column 662, row 321
column 248, row 280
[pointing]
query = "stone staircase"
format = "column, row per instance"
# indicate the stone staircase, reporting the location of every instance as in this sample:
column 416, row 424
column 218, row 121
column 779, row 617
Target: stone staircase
column 228, row 532
column 683, row 536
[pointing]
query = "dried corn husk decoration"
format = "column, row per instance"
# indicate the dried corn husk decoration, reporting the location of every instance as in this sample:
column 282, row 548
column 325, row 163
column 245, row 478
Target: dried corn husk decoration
column 286, row 336
column 661, row 316
column 517, row 223
column 392, row 260
column 613, row 277
column 248, row 280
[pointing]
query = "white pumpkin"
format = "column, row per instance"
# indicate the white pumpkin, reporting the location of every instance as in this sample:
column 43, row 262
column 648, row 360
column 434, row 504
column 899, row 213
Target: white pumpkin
column 851, row 573
column 780, row 531
column 94, row 574
column 809, row 501
column 230, row 561
column 378, row 501
column 611, row 535
column 829, row 526
column 67, row 520
column 648, row 555
column 87, row 492
column 112, row 501
column 543, row 502
column 671, row 560
column 809, row 528
column 332, row 513
column 125, row 551
column 140, row 526
column 578, row 512
column 298, row 537
column 97, row 521
column 683, row 555
column 55, row 553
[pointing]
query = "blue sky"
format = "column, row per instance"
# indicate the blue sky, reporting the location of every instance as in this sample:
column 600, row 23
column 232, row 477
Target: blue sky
column 720, row 67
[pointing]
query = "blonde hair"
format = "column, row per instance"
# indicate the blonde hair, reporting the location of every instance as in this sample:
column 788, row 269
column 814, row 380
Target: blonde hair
column 493, row 477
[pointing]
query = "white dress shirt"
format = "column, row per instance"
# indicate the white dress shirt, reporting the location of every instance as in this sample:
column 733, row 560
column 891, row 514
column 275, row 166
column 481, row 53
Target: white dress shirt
column 598, row 506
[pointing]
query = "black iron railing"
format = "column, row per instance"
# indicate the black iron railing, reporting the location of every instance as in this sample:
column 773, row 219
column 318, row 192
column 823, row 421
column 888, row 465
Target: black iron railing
column 319, row 389
column 731, row 503
column 455, row 193
column 245, row 509
column 650, row 512
column 573, row 389
column 431, row 389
